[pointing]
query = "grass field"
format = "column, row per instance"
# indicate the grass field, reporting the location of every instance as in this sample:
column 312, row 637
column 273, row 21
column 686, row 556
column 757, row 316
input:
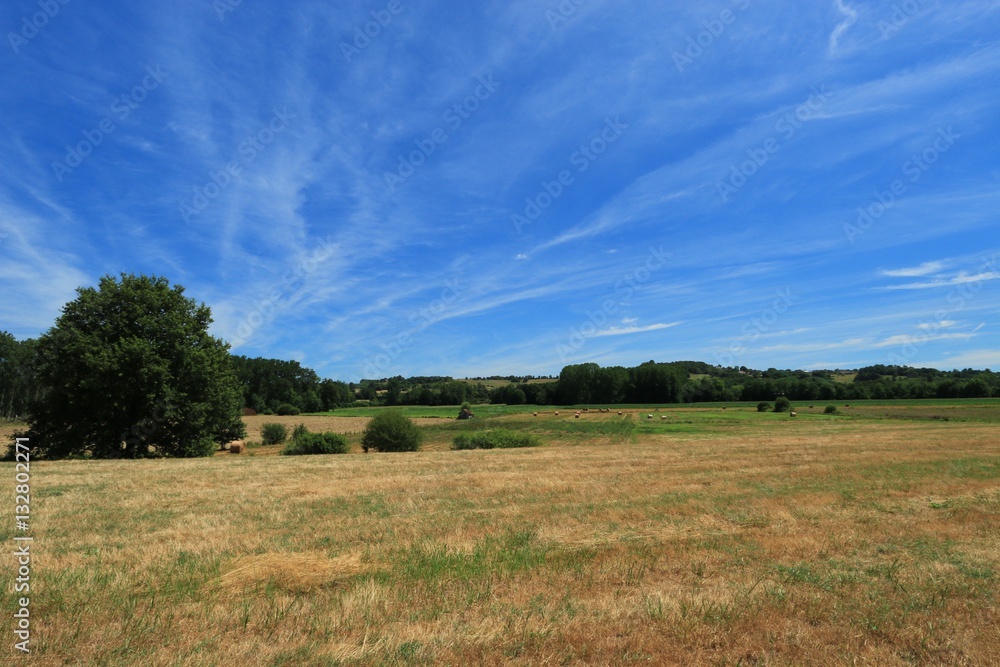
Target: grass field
column 709, row 537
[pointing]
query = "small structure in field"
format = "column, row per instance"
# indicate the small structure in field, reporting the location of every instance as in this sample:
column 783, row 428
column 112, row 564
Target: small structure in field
column 466, row 413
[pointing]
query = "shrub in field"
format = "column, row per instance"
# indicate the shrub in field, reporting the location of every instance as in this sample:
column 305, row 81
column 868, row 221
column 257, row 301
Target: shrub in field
column 782, row 404
column 299, row 431
column 316, row 443
column 391, row 431
column 286, row 409
column 763, row 406
column 830, row 410
column 496, row 439
column 273, row 434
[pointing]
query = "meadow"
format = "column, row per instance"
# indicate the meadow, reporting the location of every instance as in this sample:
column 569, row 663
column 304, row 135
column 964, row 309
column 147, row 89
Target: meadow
column 707, row 535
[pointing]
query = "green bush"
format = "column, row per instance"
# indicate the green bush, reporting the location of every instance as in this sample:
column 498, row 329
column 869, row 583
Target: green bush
column 830, row 410
column 763, row 406
column 287, row 409
column 299, row 431
column 273, row 434
column 496, row 439
column 316, row 443
column 782, row 404
column 390, row 431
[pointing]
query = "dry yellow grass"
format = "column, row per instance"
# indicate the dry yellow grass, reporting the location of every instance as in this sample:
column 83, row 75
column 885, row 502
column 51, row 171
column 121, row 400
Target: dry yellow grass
column 785, row 543
column 292, row 572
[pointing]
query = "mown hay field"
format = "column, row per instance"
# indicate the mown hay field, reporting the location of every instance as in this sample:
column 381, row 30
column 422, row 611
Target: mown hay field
column 708, row 537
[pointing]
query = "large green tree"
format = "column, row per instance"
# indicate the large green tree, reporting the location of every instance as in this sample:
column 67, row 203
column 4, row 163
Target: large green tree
column 656, row 383
column 130, row 370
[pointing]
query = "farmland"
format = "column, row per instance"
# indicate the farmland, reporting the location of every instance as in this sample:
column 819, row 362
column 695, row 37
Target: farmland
column 712, row 535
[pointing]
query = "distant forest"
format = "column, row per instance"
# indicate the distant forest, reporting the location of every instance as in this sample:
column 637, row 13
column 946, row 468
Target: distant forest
column 277, row 386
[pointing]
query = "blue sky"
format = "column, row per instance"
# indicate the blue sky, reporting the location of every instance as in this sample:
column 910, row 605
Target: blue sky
column 382, row 188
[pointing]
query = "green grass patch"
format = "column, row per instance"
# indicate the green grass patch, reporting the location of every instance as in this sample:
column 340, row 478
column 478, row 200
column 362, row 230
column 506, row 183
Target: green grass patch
column 511, row 552
column 495, row 439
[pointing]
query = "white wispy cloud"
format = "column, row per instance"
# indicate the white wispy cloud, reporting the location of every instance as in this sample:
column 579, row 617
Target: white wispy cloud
column 961, row 279
column 851, row 17
column 943, row 324
column 925, row 269
column 906, row 339
column 625, row 331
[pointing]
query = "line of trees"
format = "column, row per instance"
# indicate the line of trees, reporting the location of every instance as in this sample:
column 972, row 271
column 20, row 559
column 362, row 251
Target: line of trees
column 695, row 382
column 437, row 390
column 17, row 378
column 269, row 384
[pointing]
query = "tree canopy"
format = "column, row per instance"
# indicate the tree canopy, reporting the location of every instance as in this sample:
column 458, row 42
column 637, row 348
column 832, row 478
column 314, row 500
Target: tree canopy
column 130, row 370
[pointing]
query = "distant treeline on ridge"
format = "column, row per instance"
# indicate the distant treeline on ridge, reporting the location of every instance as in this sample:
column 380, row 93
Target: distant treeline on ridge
column 269, row 384
column 276, row 386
